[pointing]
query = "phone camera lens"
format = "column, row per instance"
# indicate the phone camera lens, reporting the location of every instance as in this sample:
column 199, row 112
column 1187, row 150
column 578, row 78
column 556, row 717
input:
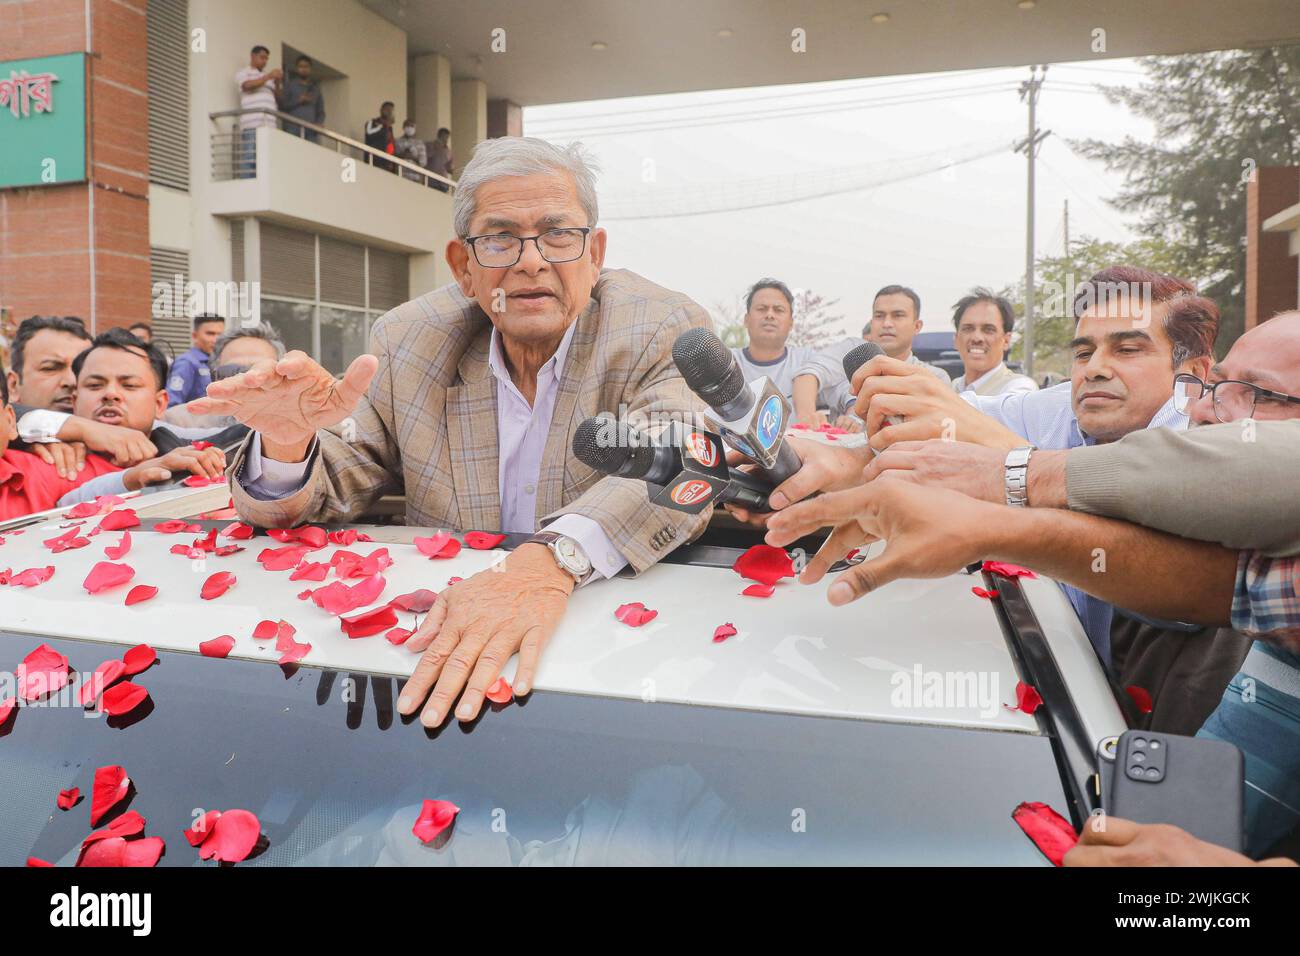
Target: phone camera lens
column 1153, row 773
column 1136, row 773
column 1155, row 745
column 1139, row 743
column 1139, row 758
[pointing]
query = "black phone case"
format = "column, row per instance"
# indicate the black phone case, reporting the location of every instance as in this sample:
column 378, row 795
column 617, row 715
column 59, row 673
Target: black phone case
column 1200, row 787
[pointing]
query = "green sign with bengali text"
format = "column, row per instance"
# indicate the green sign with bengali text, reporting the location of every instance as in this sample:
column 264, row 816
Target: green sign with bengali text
column 43, row 121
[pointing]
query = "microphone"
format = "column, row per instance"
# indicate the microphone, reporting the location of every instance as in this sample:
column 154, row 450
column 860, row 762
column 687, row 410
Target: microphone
column 859, row 356
column 685, row 472
column 752, row 417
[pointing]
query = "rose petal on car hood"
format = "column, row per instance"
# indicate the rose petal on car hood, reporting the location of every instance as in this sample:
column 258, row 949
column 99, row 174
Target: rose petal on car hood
column 41, row 672
column 764, row 564
column 140, row 593
column 32, row 577
column 759, row 590
column 1028, row 699
column 105, row 575
column 369, row 622
column 128, row 824
column 108, row 788
column 67, row 799
column 217, row 585
column 175, row 526
column 723, row 631
column 139, row 658
column 217, row 647
column 104, row 675
column 122, row 698
column 237, row 531
column 983, row 593
column 1008, row 570
column 500, row 692
column 435, row 816
column 116, row 552
column 202, row 828
column 398, row 635
column 635, row 614
column 231, row 837
column 119, row 520
column 1050, row 831
column 418, row 601
column 438, row 546
column 483, row 540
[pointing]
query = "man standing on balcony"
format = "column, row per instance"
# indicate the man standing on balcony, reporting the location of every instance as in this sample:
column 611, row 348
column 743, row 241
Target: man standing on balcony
column 471, row 409
column 440, row 159
column 379, row 135
column 257, row 90
column 303, row 99
column 411, row 149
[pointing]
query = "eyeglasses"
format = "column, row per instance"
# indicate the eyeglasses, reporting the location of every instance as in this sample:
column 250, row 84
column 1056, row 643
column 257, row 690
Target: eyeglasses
column 1232, row 400
column 555, row 245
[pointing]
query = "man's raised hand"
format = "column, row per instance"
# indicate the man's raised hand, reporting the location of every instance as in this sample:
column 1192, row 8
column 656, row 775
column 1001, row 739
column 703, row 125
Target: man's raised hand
column 288, row 401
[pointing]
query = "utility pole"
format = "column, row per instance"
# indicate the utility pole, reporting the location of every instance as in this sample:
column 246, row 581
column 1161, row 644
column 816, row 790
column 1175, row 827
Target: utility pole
column 1029, row 94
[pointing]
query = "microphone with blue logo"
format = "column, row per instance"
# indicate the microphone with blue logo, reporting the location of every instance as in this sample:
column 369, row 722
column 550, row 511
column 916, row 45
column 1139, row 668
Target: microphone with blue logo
column 752, row 417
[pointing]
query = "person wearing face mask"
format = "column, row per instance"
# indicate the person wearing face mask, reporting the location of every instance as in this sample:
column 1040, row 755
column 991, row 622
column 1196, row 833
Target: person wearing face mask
column 411, row 149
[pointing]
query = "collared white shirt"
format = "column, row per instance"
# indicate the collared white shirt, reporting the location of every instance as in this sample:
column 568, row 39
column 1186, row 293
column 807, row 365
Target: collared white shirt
column 1012, row 382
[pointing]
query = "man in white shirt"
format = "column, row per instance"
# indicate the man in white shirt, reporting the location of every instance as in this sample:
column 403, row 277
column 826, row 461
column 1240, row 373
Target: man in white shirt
column 258, row 89
column 984, row 322
column 769, row 319
column 895, row 320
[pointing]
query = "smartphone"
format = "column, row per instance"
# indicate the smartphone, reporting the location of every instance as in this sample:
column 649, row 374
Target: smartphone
column 1191, row 782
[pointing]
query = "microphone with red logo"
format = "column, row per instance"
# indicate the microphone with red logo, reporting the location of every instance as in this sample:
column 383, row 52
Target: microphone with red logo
column 685, row 468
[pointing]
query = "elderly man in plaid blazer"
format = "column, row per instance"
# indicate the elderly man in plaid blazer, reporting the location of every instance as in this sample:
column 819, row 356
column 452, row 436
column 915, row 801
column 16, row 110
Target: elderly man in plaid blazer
column 470, row 409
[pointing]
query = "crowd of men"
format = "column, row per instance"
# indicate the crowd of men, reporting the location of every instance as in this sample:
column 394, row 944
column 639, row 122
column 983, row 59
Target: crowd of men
column 1178, row 469
column 262, row 92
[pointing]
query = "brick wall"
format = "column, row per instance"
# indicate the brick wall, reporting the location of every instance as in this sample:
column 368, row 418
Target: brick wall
column 1272, row 274
column 47, row 234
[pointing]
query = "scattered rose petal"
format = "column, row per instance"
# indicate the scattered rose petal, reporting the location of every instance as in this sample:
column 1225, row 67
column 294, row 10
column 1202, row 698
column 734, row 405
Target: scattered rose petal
column 265, row 630
column 635, row 614
column 176, row 526
column 764, row 564
column 398, row 635
column 417, row 602
column 238, row 531
column 339, row 598
column 482, row 540
column 310, row 571
column 37, row 861
column 1007, row 570
column 284, row 632
column 122, row 698
column 85, row 509
column 291, row 651
column 217, row 585
column 454, row 580
column 68, row 799
column 116, row 552
column 500, row 692
column 108, row 789
column 438, row 546
column 1050, row 831
column 217, row 647
column 304, row 595
column 206, row 543
column 759, row 590
column 1141, row 698
column 981, row 592
column 41, row 672
column 116, row 851
column 104, row 675
column 1028, row 699
column 119, row 520
column 7, row 707
column 105, row 575
column 200, row 445
column 311, row 537
column 722, row 632
column 32, row 577
column 345, row 537
column 231, row 838
column 67, row 541
column 800, row 426
column 227, row 550
column 139, row 658
column 371, row 622
column 283, row 559
column 202, row 828
column 202, row 481
column 435, row 816
column 128, row 824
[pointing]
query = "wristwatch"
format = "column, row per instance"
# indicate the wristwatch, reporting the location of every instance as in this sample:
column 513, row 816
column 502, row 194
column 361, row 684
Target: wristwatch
column 568, row 555
column 1016, row 471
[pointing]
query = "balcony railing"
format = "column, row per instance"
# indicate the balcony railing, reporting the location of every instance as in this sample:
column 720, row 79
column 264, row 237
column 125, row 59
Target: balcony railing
column 234, row 155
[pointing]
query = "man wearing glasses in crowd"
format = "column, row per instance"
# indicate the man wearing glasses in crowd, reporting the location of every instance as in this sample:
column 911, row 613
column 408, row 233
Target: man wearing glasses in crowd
column 470, row 409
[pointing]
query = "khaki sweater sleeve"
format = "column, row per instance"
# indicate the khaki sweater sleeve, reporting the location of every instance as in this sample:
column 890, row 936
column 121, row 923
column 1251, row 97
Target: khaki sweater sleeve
column 1236, row 484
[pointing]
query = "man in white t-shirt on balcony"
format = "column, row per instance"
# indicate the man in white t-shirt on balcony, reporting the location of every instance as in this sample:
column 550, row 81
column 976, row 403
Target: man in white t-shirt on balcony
column 258, row 87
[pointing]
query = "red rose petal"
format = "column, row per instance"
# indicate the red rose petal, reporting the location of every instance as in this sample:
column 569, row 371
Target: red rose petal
column 217, row 585
column 140, row 593
column 119, row 520
column 282, row 559
column 1028, row 699
column 41, row 672
column 309, row 536
column 417, row 602
column 217, row 647
column 1141, row 698
column 202, row 481
column 105, row 575
column 438, row 546
column 67, row 799
column 345, row 537
column 109, row 788
column 799, row 426
column 128, row 824
column 483, row 540
column 104, row 675
column 237, row 531
column 227, row 550
column 37, row 861
column 32, row 577
column 722, row 632
column 759, row 590
column 83, row 510
column 176, row 526
column 435, row 816
column 981, row 592
column 310, row 571
column 265, row 630
column 304, row 595
column 7, row 707
column 398, row 635
column 635, row 614
column 371, row 622
column 122, row 698
column 119, row 852
column 1050, row 831
column 764, row 564
column 200, row 445
column 202, row 828
column 116, row 552
column 339, row 598
column 139, row 658
column 1007, row 570
column 454, row 580
column 284, row 632
column 232, row 837
column 66, row 541
column 500, row 692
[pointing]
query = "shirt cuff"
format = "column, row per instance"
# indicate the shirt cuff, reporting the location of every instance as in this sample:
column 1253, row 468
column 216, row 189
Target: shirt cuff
column 600, row 551
column 41, row 426
column 268, row 479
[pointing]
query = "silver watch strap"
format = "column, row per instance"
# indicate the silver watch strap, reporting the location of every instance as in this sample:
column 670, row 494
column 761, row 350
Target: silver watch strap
column 1016, row 472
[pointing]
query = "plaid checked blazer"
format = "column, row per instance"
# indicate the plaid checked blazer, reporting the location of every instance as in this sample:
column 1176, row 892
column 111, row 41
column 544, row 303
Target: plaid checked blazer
column 428, row 424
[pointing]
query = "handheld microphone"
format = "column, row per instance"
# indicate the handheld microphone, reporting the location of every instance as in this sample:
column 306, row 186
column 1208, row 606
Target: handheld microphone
column 685, row 472
column 859, row 356
column 752, row 417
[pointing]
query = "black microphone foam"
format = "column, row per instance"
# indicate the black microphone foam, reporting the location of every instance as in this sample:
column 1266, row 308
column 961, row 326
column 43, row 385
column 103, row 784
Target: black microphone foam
column 707, row 365
column 860, row 356
column 628, row 455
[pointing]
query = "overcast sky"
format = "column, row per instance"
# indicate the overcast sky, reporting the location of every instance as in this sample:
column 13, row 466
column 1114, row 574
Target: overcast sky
column 903, row 207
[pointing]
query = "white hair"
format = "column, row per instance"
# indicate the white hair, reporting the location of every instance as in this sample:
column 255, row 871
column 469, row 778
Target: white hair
column 522, row 156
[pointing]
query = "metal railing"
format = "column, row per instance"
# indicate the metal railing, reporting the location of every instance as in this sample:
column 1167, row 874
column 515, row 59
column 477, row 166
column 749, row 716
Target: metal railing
column 234, row 155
